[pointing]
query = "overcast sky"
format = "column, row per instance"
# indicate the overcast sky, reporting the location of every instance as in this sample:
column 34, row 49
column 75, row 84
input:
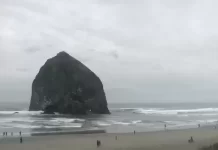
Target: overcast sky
column 143, row 50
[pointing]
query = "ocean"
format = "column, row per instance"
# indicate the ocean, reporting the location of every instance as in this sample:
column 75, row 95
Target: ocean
column 124, row 117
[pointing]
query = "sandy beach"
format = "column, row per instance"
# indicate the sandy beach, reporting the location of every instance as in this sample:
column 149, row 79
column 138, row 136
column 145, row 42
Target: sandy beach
column 160, row 140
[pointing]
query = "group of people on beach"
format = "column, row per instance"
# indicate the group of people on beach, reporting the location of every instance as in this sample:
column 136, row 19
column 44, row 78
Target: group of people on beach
column 191, row 140
column 21, row 139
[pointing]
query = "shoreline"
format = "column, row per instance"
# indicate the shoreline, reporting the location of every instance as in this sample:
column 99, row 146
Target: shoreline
column 69, row 132
column 154, row 140
column 103, row 131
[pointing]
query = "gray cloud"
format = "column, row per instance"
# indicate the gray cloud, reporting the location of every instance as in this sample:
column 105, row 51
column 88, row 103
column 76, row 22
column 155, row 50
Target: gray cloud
column 112, row 53
column 22, row 69
column 32, row 49
column 129, row 44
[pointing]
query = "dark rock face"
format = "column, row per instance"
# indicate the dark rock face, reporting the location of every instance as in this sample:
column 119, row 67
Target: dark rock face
column 65, row 85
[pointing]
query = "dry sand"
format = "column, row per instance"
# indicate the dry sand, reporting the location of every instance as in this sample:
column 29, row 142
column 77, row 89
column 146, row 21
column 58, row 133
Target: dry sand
column 161, row 140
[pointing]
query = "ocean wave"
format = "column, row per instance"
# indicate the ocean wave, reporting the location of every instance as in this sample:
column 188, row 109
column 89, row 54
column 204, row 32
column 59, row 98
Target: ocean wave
column 125, row 123
column 113, row 122
column 20, row 126
column 64, row 126
column 67, row 120
column 131, row 109
column 161, row 111
column 207, row 121
column 136, row 121
column 23, row 126
column 121, row 123
column 20, row 112
column 100, row 123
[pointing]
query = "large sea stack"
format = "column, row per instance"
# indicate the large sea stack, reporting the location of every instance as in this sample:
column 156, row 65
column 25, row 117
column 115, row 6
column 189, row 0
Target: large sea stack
column 66, row 86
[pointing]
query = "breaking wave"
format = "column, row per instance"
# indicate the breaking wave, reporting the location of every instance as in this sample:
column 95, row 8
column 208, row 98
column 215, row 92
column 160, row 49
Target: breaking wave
column 20, row 112
column 161, row 111
column 120, row 120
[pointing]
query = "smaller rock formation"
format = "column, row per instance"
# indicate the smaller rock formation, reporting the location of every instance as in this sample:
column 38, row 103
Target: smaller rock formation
column 65, row 85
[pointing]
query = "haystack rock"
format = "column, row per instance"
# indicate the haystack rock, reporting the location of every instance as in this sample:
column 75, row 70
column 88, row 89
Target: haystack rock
column 66, row 86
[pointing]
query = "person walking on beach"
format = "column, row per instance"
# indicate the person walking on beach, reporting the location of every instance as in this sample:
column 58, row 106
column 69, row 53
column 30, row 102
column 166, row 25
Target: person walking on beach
column 20, row 133
column 199, row 125
column 134, row 131
column 6, row 133
column 98, row 143
column 21, row 139
column 165, row 126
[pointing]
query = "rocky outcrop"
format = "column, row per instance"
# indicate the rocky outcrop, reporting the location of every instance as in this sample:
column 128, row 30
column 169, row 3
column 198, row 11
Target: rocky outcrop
column 65, row 85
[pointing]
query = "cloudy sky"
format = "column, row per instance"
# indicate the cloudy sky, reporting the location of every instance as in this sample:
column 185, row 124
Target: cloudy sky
column 143, row 50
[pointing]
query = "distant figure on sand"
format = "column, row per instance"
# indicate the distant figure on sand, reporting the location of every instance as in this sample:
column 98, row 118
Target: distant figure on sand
column 191, row 140
column 11, row 133
column 98, row 143
column 165, row 126
column 134, row 131
column 6, row 133
column 20, row 133
column 21, row 140
column 199, row 125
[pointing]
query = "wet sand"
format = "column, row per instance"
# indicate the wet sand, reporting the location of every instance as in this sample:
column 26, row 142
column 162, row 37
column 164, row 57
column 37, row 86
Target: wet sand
column 160, row 140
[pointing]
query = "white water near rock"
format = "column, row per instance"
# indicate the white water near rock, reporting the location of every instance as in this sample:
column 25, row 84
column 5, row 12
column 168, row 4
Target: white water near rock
column 123, row 118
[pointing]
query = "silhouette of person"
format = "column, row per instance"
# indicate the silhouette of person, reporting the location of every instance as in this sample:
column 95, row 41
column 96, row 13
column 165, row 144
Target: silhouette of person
column 21, row 140
column 191, row 140
column 98, row 143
